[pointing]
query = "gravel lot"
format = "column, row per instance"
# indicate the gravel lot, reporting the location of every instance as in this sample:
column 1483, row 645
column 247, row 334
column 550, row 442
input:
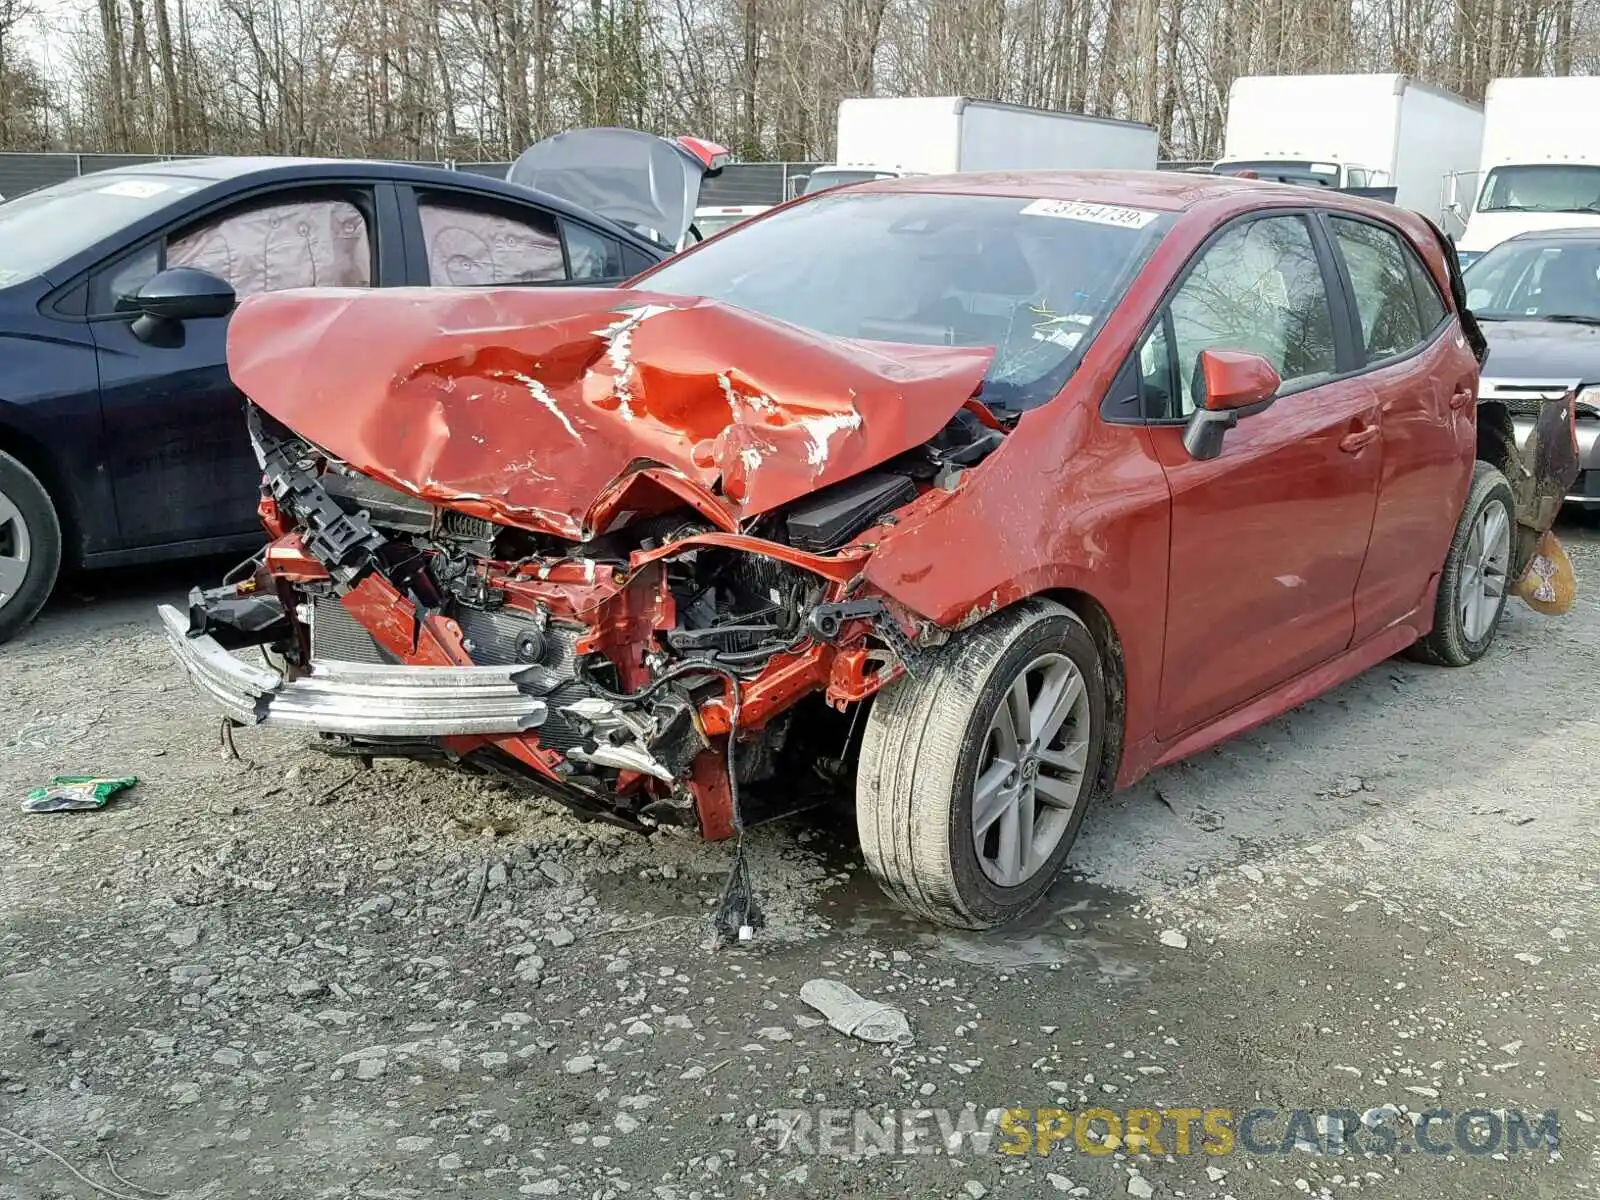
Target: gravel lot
column 285, row 976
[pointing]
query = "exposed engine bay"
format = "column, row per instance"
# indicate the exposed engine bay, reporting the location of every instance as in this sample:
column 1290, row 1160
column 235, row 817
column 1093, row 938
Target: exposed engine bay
column 624, row 660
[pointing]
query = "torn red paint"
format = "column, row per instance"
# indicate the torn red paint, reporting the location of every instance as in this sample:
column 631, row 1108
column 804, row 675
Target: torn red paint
column 528, row 405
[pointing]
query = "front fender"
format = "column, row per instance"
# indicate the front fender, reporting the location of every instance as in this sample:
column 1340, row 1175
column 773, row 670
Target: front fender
column 1067, row 503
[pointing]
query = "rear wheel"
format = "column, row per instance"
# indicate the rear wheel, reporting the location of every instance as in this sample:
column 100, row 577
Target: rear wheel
column 30, row 546
column 1477, row 575
column 974, row 777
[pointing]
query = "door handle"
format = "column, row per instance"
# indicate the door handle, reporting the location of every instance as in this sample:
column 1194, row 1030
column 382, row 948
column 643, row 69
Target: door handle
column 1460, row 399
column 1356, row 439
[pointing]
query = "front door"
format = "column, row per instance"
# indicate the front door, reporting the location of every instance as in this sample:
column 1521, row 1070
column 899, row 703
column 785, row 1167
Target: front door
column 177, row 451
column 1267, row 538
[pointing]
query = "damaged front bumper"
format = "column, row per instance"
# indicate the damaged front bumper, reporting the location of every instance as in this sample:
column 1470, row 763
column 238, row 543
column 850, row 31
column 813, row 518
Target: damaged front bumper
column 357, row 699
column 644, row 676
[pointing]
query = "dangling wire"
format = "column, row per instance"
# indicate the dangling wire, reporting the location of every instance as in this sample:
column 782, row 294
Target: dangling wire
column 738, row 916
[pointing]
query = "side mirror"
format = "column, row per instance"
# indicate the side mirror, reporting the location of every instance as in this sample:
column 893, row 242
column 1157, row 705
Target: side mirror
column 176, row 295
column 185, row 294
column 1231, row 384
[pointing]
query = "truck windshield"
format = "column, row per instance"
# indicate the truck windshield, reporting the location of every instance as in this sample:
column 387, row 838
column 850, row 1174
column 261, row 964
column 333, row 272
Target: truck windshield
column 45, row 228
column 1305, row 174
column 1033, row 278
column 1543, row 187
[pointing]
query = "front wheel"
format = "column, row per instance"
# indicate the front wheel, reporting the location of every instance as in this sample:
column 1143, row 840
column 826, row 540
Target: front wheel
column 30, row 546
column 1477, row 575
column 975, row 776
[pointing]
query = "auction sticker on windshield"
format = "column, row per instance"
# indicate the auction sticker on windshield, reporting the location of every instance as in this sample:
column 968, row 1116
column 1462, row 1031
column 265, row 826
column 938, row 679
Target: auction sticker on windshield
column 1099, row 214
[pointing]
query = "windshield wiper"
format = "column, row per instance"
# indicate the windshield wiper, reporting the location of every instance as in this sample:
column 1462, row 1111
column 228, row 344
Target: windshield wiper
column 1570, row 318
column 1001, row 395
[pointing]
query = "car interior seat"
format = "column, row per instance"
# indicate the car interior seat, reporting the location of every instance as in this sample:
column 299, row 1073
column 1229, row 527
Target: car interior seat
column 1569, row 285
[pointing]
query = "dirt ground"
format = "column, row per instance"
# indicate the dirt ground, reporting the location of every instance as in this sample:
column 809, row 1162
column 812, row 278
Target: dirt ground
column 284, row 976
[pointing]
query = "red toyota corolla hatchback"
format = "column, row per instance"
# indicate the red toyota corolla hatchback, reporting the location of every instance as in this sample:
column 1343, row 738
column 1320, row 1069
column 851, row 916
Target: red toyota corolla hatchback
column 994, row 489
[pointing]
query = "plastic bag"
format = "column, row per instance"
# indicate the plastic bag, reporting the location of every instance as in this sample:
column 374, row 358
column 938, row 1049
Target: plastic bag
column 1549, row 585
column 74, row 793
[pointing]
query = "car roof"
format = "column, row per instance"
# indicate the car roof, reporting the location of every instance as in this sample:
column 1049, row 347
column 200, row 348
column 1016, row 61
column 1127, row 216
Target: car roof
column 1169, row 191
column 1163, row 191
column 1579, row 233
column 271, row 169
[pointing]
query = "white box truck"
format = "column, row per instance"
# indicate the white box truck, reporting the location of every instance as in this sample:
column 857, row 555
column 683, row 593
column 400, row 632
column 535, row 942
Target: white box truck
column 1541, row 160
column 881, row 138
column 1353, row 131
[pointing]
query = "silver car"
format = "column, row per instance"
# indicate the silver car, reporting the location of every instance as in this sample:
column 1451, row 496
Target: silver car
column 1537, row 297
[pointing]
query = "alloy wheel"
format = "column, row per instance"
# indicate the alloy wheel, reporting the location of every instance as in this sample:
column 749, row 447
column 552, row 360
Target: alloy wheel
column 1481, row 586
column 1032, row 771
column 15, row 549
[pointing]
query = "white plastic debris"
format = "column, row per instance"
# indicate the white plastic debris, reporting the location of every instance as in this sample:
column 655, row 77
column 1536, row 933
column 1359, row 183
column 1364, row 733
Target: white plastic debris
column 854, row 1015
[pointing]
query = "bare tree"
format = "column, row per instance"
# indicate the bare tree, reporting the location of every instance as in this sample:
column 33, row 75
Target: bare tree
column 434, row 79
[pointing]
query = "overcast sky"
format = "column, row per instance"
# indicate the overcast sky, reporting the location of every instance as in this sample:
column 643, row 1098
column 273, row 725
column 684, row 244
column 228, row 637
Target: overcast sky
column 51, row 18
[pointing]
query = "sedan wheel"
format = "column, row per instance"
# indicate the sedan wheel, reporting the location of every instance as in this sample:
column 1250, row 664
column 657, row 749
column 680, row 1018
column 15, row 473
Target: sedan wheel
column 1482, row 585
column 975, row 775
column 1476, row 578
column 30, row 545
column 16, row 549
column 1032, row 771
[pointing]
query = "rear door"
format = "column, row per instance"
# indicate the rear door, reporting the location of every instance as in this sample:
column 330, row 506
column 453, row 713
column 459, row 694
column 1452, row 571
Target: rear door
column 1422, row 376
column 461, row 238
column 177, row 452
column 1268, row 538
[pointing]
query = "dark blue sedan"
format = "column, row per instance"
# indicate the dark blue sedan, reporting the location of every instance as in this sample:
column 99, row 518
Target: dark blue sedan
column 121, row 436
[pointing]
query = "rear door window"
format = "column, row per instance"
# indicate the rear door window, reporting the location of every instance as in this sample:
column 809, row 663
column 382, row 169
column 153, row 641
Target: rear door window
column 473, row 244
column 1387, row 310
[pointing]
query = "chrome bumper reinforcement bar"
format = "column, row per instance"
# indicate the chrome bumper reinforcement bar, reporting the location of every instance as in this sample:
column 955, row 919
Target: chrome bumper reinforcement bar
column 357, row 699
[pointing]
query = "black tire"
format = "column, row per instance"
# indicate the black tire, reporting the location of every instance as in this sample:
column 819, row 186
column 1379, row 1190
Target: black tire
column 1451, row 643
column 924, row 743
column 24, row 501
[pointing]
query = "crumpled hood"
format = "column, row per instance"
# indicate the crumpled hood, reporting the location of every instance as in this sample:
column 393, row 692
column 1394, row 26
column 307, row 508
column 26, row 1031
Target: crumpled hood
column 526, row 405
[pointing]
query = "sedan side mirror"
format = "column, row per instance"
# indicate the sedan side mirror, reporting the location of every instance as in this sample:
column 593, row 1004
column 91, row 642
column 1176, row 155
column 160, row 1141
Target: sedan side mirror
column 1230, row 384
column 176, row 295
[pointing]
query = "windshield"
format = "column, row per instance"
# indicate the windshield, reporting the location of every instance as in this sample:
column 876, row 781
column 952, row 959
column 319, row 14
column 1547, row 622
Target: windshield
column 1538, row 279
column 822, row 180
column 1306, row 174
column 1548, row 187
column 44, row 228
column 1034, row 279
